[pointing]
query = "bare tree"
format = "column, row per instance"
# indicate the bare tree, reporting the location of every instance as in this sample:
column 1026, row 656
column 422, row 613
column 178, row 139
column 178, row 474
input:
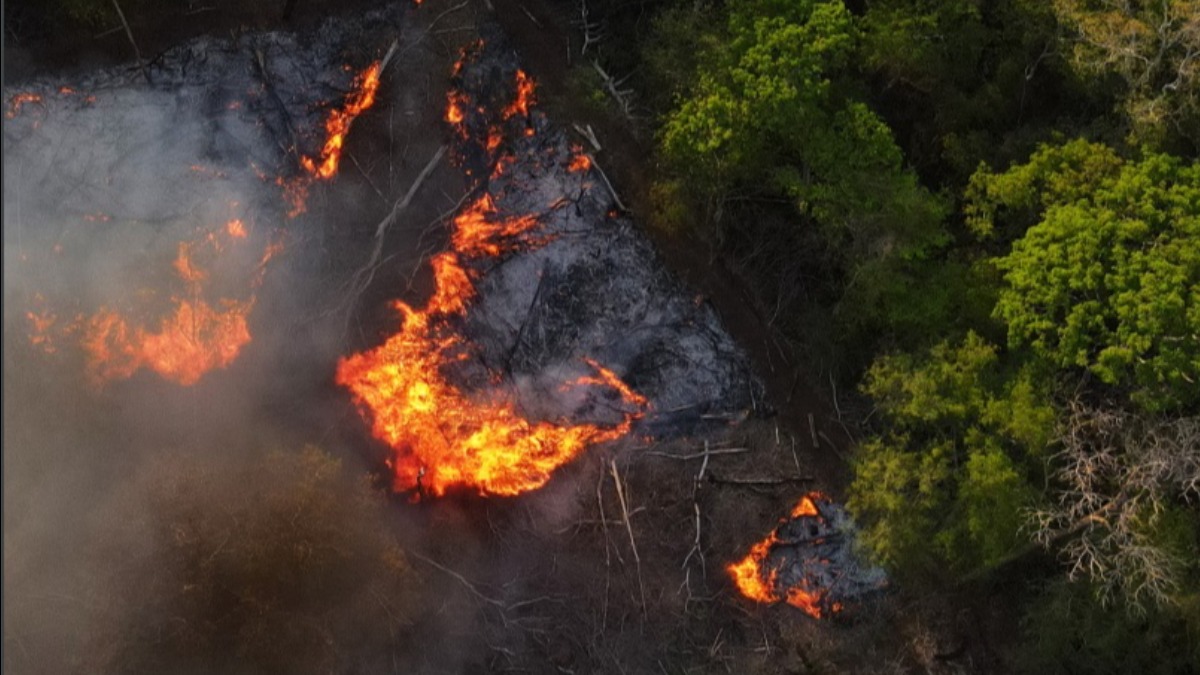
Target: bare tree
column 593, row 30
column 1117, row 473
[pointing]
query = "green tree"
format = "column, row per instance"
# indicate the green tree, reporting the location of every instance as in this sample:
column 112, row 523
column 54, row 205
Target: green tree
column 948, row 480
column 1068, row 631
column 964, row 82
column 768, row 115
column 1107, row 277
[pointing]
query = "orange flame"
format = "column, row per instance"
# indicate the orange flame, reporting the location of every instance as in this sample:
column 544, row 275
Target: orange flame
column 757, row 581
column 441, row 436
column 607, row 378
column 579, row 163
column 748, row 574
column 479, row 232
column 195, row 338
column 524, row 98
column 339, row 123
column 325, row 165
column 806, row 506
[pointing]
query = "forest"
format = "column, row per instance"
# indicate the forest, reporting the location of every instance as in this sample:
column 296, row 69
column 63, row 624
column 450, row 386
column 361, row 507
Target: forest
column 977, row 222
column 984, row 217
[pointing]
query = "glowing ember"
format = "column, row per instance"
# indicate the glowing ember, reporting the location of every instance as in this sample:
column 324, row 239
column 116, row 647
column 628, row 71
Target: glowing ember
column 579, row 163
column 236, row 228
column 41, row 325
column 19, row 101
column 454, row 107
column 758, row 580
column 441, row 436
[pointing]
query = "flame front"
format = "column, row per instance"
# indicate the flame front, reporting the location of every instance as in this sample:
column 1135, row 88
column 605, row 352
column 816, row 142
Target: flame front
column 757, row 580
column 194, row 338
column 749, row 577
column 325, row 165
column 338, row 124
column 442, row 436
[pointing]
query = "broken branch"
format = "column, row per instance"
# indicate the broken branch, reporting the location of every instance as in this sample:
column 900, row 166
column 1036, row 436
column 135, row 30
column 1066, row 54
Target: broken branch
column 758, row 481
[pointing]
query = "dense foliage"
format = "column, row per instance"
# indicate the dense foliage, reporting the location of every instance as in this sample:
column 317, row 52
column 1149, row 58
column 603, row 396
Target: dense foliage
column 988, row 215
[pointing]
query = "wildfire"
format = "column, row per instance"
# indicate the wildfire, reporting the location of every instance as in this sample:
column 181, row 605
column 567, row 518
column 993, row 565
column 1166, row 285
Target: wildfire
column 758, row 580
column 194, row 338
column 442, row 436
column 524, row 97
column 338, row 124
column 325, row 165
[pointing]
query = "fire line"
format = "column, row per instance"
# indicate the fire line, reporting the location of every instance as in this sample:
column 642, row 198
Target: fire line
column 441, row 436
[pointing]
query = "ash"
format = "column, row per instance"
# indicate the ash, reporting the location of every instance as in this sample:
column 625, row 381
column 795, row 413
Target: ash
column 587, row 284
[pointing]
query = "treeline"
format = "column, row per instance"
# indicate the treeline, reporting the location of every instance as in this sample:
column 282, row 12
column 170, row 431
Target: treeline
column 986, row 216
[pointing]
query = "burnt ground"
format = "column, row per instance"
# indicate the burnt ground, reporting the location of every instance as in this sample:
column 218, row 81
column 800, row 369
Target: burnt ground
column 559, row 580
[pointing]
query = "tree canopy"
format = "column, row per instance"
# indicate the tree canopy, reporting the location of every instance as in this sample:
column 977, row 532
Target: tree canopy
column 1107, row 278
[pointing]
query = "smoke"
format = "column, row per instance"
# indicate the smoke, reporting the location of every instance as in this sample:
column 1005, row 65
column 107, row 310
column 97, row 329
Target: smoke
column 108, row 183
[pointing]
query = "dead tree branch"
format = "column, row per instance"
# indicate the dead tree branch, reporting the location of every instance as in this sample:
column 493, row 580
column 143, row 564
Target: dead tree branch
column 611, row 190
column 616, row 476
column 365, row 274
column 1116, row 475
column 461, row 579
column 758, row 481
column 589, row 135
column 623, row 97
column 593, row 31
column 137, row 53
column 699, row 455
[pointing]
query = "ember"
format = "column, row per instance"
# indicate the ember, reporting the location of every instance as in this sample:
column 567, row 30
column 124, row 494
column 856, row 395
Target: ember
column 20, row 101
column 442, row 436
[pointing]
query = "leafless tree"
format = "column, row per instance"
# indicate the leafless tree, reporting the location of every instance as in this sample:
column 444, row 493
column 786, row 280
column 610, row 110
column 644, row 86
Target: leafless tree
column 1117, row 473
column 593, row 30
